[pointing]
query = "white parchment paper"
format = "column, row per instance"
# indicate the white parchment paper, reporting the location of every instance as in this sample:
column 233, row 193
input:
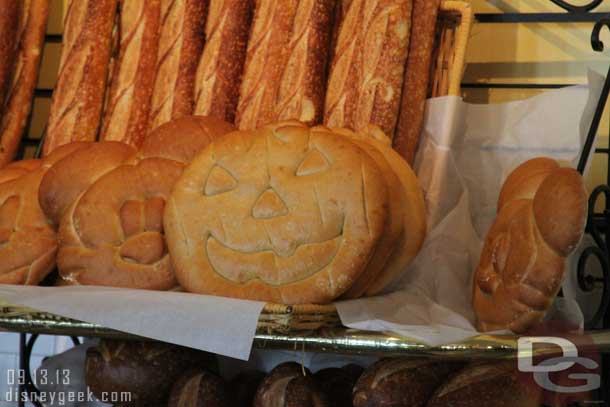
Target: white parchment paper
column 215, row 324
column 466, row 153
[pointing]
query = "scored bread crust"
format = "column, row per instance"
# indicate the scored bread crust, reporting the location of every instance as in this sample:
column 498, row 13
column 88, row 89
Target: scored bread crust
column 112, row 233
column 394, row 226
column 523, row 261
column 287, row 215
column 411, row 199
column 221, row 65
column 28, row 243
column 78, row 97
column 19, row 92
column 286, row 62
column 10, row 15
column 127, row 110
column 180, row 45
column 366, row 76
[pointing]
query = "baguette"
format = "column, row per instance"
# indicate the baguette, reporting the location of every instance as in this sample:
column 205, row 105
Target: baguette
column 128, row 107
column 367, row 72
column 180, row 46
column 78, row 97
column 286, row 63
column 222, row 62
column 18, row 99
column 10, row 15
column 417, row 76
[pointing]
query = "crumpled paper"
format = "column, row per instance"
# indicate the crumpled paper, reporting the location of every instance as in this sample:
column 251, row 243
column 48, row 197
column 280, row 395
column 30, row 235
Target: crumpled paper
column 466, row 153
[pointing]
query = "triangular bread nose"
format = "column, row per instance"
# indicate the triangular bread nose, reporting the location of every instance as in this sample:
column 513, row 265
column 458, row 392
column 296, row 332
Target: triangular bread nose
column 269, row 205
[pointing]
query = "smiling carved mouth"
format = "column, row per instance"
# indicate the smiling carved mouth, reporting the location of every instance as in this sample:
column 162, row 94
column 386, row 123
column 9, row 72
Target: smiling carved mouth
column 239, row 267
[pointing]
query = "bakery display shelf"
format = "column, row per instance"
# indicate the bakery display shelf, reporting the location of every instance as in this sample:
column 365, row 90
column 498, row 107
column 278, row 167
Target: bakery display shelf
column 334, row 339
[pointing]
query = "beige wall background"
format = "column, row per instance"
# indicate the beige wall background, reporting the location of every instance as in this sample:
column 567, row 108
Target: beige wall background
column 547, row 53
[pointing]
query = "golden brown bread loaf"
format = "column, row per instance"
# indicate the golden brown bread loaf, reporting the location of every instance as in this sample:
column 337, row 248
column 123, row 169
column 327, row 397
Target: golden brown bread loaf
column 69, row 177
column 127, row 110
column 486, row 384
column 286, row 63
column 417, row 76
column 10, row 15
column 411, row 221
column 19, row 93
column 222, row 62
column 112, row 234
column 541, row 218
column 78, row 97
column 288, row 214
column 366, row 76
column 27, row 242
column 181, row 42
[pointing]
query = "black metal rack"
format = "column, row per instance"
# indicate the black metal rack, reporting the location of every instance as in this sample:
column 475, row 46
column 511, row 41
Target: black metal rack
column 598, row 223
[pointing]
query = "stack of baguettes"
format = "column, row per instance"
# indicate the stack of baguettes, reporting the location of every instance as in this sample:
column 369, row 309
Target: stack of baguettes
column 127, row 67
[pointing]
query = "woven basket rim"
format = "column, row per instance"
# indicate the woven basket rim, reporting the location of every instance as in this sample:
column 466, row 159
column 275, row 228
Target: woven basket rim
column 462, row 35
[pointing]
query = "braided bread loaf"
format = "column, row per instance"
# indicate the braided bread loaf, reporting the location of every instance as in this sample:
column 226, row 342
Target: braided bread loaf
column 541, row 218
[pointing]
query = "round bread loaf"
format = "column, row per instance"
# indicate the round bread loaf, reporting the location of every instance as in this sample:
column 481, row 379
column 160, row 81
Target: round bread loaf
column 540, row 221
column 489, row 384
column 243, row 387
column 289, row 385
column 28, row 243
column 112, row 233
column 401, row 382
column 280, row 214
column 199, row 388
column 145, row 370
column 338, row 384
column 411, row 200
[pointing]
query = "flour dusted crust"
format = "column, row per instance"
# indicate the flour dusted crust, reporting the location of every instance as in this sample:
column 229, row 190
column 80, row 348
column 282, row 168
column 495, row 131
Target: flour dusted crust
column 285, row 68
column 281, row 214
column 366, row 76
column 411, row 199
column 541, row 218
column 112, row 232
column 28, row 244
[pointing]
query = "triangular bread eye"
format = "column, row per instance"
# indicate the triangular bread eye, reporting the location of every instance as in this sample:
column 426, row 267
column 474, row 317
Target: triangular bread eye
column 219, row 181
column 314, row 162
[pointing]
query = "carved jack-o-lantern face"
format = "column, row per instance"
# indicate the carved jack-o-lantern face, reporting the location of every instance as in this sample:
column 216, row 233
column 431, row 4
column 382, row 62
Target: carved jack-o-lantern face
column 280, row 214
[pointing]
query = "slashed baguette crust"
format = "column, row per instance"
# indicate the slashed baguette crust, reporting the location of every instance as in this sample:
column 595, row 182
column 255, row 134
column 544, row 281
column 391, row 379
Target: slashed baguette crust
column 180, row 45
column 286, row 63
column 79, row 94
column 20, row 91
column 417, row 76
column 222, row 63
column 367, row 71
column 10, row 16
column 127, row 112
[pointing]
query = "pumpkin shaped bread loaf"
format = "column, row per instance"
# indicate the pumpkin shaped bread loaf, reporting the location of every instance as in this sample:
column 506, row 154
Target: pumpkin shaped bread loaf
column 111, row 209
column 287, row 214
